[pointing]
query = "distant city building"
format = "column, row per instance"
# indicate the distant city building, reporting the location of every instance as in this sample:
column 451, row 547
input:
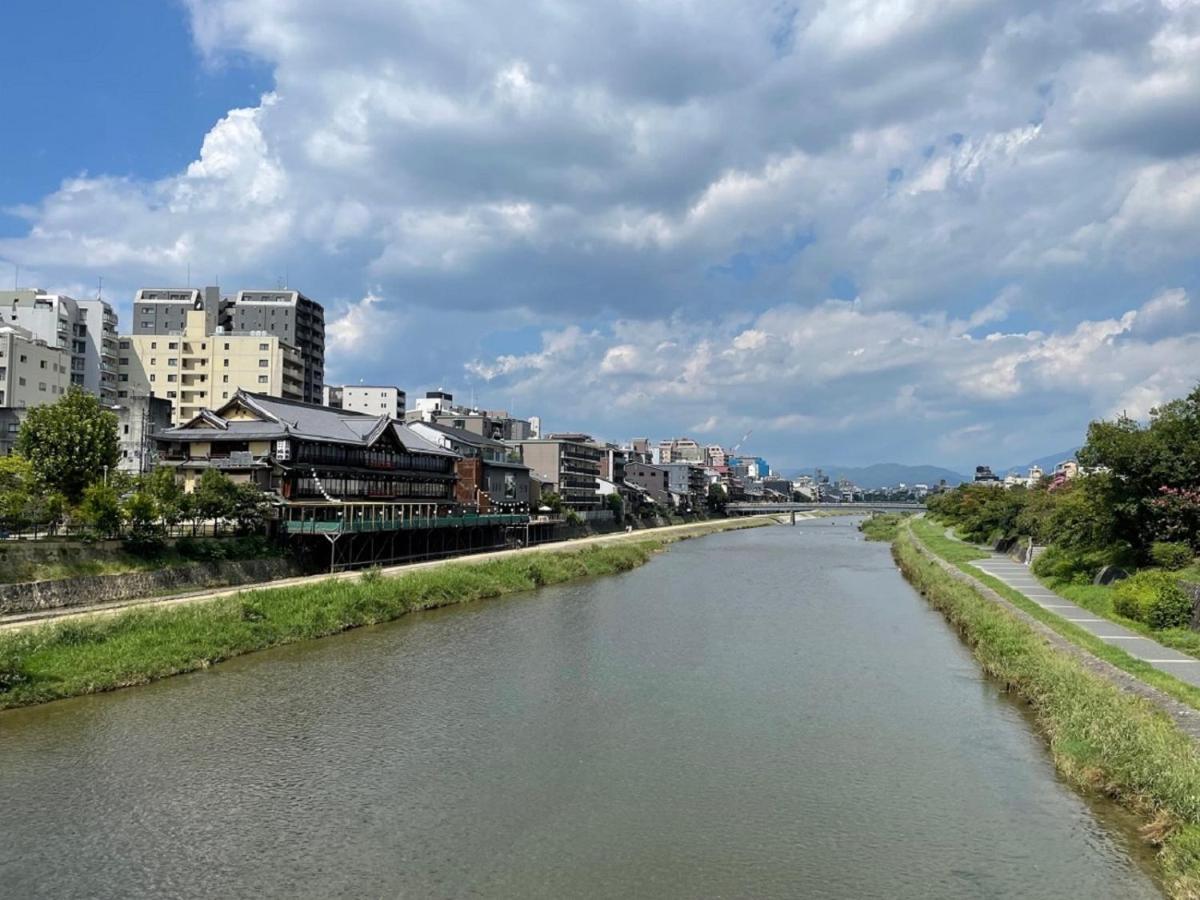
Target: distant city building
column 196, row 370
column 438, row 407
column 570, row 464
column 293, row 318
column 138, row 420
column 287, row 315
column 490, row 475
column 369, row 399
column 687, row 480
column 682, row 449
column 32, row 372
column 984, row 475
column 85, row 329
column 654, row 480
column 714, row 455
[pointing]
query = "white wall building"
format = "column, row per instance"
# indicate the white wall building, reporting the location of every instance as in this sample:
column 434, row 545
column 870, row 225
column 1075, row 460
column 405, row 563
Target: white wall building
column 372, row 399
column 32, row 372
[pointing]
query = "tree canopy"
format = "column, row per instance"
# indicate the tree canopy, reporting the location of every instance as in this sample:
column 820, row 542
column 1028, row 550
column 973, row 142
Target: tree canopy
column 69, row 443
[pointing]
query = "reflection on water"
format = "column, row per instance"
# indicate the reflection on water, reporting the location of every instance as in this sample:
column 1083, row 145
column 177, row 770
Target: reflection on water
column 770, row 712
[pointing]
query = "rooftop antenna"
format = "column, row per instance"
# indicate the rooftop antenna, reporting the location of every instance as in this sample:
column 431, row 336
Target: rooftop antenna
column 99, row 286
column 16, row 275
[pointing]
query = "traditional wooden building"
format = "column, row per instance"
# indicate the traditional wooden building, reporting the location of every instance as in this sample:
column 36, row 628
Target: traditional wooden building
column 305, row 453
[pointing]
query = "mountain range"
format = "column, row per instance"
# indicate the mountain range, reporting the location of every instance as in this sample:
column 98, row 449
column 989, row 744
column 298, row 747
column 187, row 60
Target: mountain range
column 882, row 475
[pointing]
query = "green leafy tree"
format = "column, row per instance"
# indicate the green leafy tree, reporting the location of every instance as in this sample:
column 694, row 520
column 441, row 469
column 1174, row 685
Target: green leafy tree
column 617, row 505
column 18, row 484
column 69, row 443
column 717, row 498
column 250, row 508
column 141, row 516
column 100, row 509
column 553, row 501
column 166, row 491
column 215, row 497
column 1150, row 465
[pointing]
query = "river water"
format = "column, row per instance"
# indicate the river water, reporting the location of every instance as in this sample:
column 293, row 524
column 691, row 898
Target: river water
column 769, row 713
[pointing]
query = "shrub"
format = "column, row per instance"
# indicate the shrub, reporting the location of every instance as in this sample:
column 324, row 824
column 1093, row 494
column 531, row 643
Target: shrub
column 1171, row 555
column 1153, row 598
column 1077, row 566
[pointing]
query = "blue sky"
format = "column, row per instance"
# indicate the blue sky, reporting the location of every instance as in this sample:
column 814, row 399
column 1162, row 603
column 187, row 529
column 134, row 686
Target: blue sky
column 871, row 231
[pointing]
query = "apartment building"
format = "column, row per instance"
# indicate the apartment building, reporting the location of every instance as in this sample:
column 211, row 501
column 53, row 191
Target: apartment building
column 680, row 450
column 571, row 464
column 293, row 318
column 85, row 329
column 32, row 372
column 165, row 310
column 196, row 370
column 438, row 407
column 369, row 399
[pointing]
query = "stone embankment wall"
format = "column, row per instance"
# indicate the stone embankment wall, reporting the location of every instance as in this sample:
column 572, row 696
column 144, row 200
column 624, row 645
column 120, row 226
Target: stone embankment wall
column 91, row 590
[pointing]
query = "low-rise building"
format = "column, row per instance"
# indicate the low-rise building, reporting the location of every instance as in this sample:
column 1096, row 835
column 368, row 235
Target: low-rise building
column 138, row 420
column 571, row 464
column 370, row 399
column 490, row 473
column 310, row 453
column 654, row 480
column 687, row 480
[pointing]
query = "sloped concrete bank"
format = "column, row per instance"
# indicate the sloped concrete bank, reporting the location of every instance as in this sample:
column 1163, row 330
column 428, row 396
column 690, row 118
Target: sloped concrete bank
column 94, row 590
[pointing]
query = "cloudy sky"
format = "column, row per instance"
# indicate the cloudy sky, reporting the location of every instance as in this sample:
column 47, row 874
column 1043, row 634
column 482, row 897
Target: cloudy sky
column 947, row 232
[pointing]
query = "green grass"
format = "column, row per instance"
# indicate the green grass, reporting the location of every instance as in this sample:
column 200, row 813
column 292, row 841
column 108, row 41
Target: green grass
column 50, row 560
column 960, row 555
column 1101, row 737
column 87, row 655
column 882, row 527
column 1099, row 599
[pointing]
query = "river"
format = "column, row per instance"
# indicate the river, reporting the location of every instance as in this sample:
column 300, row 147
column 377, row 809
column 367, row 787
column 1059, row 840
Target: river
column 770, row 713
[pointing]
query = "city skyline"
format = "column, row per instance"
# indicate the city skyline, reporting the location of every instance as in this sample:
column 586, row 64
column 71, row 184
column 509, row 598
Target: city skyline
column 945, row 237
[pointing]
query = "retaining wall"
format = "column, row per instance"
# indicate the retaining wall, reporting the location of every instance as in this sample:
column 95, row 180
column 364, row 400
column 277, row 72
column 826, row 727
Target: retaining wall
column 92, row 590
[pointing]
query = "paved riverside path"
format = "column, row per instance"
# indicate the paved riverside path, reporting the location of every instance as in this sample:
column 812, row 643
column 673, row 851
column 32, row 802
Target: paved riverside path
column 1018, row 577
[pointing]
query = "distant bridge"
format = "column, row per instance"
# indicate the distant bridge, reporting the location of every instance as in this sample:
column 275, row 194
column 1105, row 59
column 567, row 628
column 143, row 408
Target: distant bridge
column 753, row 507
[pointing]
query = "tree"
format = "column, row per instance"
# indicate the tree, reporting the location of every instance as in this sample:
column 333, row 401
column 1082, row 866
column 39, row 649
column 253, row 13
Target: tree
column 69, row 443
column 617, row 505
column 1149, row 466
column 214, row 497
column 101, row 509
column 164, row 488
column 250, row 507
column 553, row 501
column 141, row 514
column 717, row 498
column 18, row 483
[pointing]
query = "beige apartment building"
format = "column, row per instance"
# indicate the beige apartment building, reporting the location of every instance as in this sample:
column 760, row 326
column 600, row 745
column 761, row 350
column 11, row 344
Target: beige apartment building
column 197, row 370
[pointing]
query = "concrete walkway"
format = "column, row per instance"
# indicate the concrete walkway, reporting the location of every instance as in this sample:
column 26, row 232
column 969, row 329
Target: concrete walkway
column 1019, row 578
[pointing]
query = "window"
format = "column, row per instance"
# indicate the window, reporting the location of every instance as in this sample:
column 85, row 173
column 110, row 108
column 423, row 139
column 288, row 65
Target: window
column 172, row 377
column 21, row 381
column 226, row 346
column 124, row 376
column 153, row 361
column 225, row 379
column 124, row 360
column 225, row 394
column 263, row 379
column 263, row 363
column 122, row 394
column 24, row 358
column 154, row 345
column 264, row 347
column 127, row 429
column 145, row 324
column 172, row 362
column 125, row 345
column 41, row 364
column 151, row 376
column 173, row 345
column 226, row 362
column 171, row 394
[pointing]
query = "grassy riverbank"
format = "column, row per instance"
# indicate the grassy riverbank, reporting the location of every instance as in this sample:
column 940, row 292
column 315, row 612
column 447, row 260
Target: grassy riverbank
column 1101, row 737
column 95, row 654
column 882, row 526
